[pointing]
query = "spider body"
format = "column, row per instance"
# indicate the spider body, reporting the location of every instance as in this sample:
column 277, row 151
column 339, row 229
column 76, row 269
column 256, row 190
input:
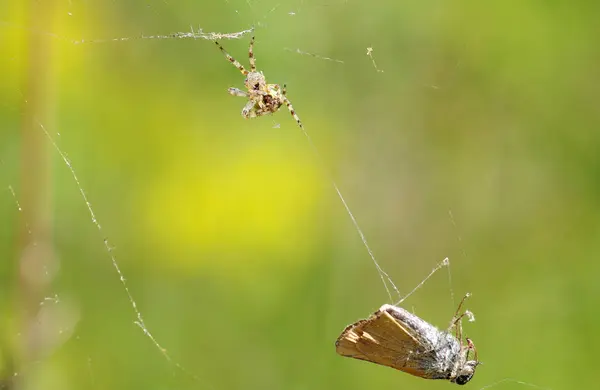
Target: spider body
column 263, row 98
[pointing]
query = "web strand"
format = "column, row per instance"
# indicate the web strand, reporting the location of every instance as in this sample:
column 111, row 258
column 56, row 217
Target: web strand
column 443, row 263
column 460, row 242
column 19, row 208
column 510, row 380
column 139, row 321
column 385, row 278
column 14, row 195
column 317, row 56
column 199, row 34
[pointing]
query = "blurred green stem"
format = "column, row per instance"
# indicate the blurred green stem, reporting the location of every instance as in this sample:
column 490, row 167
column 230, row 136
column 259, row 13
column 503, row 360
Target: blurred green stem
column 35, row 254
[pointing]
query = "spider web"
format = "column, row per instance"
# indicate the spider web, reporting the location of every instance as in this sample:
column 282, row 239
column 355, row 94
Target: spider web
column 193, row 34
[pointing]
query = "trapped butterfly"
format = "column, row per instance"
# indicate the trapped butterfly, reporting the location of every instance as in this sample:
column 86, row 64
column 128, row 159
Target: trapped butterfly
column 396, row 338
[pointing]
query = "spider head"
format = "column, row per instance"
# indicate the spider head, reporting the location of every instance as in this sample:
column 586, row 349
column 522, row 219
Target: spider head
column 255, row 81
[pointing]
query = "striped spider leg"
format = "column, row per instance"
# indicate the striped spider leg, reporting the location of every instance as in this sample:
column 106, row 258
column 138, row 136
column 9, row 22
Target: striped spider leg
column 262, row 98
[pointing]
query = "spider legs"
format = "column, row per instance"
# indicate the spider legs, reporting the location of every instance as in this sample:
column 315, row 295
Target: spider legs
column 456, row 322
column 255, row 105
column 237, row 92
column 251, row 55
column 249, row 110
column 471, row 347
column 232, row 60
column 289, row 106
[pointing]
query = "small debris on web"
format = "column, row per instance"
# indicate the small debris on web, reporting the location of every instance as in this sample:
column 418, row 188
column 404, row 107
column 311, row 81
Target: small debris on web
column 53, row 299
column 470, row 315
column 370, row 55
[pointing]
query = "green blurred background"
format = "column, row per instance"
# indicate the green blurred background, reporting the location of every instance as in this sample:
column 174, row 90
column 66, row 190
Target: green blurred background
column 479, row 142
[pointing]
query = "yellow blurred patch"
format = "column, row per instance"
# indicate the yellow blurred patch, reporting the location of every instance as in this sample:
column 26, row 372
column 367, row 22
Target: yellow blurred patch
column 234, row 206
column 35, row 42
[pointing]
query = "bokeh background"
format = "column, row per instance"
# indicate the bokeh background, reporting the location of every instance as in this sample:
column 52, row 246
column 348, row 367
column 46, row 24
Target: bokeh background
column 478, row 141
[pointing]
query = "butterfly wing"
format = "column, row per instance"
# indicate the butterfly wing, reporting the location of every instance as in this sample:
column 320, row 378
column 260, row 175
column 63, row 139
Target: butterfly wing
column 386, row 340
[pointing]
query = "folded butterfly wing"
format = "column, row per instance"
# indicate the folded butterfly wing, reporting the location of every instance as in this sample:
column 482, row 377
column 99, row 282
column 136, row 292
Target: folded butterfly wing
column 387, row 340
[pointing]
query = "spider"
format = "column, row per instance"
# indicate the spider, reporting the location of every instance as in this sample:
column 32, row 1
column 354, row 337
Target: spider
column 263, row 98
